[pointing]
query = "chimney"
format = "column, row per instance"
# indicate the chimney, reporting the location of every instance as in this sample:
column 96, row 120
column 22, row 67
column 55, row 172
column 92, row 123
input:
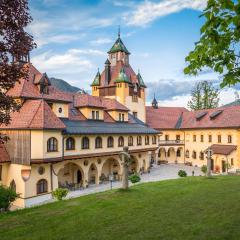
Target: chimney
column 107, row 72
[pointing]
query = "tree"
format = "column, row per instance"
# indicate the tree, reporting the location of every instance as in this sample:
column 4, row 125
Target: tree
column 204, row 96
column 218, row 47
column 15, row 44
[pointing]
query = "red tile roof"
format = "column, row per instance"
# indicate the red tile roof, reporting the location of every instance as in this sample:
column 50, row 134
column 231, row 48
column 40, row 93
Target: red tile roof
column 34, row 114
column 85, row 100
column 223, row 149
column 115, row 70
column 163, row 117
column 4, row 156
column 113, row 104
column 108, row 118
column 26, row 88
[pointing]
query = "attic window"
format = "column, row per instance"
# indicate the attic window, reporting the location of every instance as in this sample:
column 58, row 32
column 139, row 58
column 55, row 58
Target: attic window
column 200, row 115
column 215, row 114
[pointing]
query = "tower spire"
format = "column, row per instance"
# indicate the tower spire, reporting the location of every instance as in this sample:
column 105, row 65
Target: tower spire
column 119, row 31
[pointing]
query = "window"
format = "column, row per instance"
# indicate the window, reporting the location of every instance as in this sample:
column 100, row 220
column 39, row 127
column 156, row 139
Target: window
column 121, row 141
column 194, row 155
column 70, row 143
column 154, row 139
column 98, row 142
column 110, row 142
column 52, row 145
column 93, row 114
column 219, row 138
column 179, row 153
column 194, row 138
column 122, row 117
column 60, row 110
column 187, row 153
column 139, row 140
column 85, row 143
column 177, row 138
column 201, row 156
column 135, row 98
column 229, row 139
column 13, row 185
column 202, row 138
column 135, row 114
column 209, row 138
column 232, row 162
column 146, row 140
column 42, row 186
column 97, row 115
column 130, row 141
column 166, row 138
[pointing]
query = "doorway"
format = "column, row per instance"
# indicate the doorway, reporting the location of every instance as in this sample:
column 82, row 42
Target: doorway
column 223, row 166
column 79, row 176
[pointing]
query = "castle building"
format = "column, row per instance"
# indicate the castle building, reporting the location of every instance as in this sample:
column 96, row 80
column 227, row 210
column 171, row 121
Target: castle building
column 73, row 140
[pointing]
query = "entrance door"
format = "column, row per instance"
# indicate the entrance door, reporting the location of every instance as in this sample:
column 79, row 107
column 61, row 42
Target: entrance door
column 212, row 164
column 223, row 166
column 79, row 176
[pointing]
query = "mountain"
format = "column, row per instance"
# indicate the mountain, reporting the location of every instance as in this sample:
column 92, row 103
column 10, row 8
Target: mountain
column 64, row 86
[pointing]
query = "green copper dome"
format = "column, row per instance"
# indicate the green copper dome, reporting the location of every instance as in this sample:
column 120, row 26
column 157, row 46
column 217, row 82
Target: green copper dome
column 122, row 77
column 140, row 80
column 118, row 46
column 96, row 81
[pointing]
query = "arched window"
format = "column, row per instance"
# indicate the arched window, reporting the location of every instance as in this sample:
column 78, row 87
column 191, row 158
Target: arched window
column 187, row 153
column 146, row 140
column 179, row 153
column 154, row 139
column 139, row 140
column 98, row 142
column 130, row 141
column 121, row 141
column 52, row 145
column 110, row 142
column 194, row 155
column 70, row 143
column 13, row 185
column 42, row 186
column 85, row 143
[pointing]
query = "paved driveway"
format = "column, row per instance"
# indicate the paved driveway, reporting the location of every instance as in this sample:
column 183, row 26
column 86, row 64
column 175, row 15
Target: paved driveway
column 158, row 173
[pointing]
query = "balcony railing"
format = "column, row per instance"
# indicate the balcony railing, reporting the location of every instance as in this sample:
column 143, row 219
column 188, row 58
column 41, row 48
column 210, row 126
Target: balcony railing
column 171, row 142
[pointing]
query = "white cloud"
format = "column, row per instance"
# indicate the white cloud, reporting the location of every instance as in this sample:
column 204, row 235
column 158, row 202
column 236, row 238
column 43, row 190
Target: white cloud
column 91, row 52
column 148, row 11
column 100, row 41
column 69, row 62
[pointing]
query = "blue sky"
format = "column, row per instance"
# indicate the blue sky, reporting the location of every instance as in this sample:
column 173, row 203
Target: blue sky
column 74, row 36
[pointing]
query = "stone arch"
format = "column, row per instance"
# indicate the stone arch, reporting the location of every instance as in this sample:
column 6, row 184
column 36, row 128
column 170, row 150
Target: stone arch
column 171, row 154
column 134, row 165
column 70, row 175
column 162, row 154
column 180, row 154
column 93, row 174
column 110, row 166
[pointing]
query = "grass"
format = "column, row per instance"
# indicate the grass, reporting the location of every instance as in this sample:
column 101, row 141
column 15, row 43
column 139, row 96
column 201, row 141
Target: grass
column 189, row 208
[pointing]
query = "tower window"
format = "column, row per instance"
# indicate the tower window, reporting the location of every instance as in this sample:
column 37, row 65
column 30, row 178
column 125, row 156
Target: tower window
column 229, row 139
column 219, row 138
column 135, row 114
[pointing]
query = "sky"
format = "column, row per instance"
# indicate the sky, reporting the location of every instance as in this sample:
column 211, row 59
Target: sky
column 73, row 38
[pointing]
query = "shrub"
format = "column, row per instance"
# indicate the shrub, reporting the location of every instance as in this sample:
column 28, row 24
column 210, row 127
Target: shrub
column 60, row 193
column 7, row 196
column 182, row 173
column 134, row 178
column 204, row 169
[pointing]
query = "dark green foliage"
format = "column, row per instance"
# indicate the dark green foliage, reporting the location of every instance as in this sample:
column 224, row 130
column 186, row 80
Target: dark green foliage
column 204, row 96
column 134, row 178
column 218, row 47
column 7, row 196
column 60, row 193
column 182, row 173
column 204, row 169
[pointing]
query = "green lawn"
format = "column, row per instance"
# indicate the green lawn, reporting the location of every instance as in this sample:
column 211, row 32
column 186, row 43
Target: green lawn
column 190, row 208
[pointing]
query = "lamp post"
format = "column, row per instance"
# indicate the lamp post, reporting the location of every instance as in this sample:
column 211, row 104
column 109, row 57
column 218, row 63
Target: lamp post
column 111, row 180
column 209, row 157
